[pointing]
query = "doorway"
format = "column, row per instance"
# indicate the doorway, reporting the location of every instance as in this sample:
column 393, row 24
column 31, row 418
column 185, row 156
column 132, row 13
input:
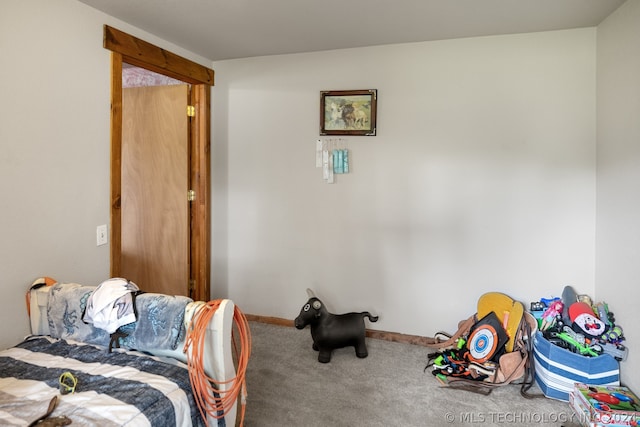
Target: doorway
column 194, row 250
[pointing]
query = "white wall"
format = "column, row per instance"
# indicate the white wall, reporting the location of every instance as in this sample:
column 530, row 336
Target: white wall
column 481, row 178
column 54, row 161
column 618, row 154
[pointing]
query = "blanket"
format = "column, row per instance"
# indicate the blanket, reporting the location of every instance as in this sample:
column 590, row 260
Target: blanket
column 159, row 324
column 122, row 388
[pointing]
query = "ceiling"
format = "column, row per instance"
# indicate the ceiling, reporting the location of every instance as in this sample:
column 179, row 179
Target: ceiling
column 227, row 29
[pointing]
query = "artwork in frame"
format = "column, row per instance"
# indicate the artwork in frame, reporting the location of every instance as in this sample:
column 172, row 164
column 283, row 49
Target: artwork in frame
column 348, row 112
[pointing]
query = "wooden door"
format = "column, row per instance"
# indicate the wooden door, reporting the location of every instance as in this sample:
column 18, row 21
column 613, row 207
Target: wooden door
column 155, row 182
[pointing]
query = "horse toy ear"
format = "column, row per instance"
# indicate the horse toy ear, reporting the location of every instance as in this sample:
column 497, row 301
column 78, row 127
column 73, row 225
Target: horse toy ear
column 310, row 293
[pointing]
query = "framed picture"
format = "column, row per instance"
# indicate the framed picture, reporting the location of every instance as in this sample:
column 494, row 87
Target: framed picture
column 348, row 112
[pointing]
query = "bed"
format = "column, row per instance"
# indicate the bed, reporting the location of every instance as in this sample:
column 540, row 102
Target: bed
column 138, row 376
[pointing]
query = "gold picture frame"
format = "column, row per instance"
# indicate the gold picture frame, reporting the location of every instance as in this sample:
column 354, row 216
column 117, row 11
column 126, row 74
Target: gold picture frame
column 348, row 112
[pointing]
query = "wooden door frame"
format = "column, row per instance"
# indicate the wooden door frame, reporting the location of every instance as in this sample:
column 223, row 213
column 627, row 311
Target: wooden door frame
column 131, row 50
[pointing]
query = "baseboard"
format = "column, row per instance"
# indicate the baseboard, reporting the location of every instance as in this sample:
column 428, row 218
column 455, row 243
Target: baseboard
column 279, row 321
column 371, row 333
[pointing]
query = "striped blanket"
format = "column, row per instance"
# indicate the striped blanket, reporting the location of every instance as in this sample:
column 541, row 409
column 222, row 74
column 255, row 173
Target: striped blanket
column 122, row 388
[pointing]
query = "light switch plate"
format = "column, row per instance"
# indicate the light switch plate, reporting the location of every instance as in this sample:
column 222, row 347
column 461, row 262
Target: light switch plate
column 101, row 235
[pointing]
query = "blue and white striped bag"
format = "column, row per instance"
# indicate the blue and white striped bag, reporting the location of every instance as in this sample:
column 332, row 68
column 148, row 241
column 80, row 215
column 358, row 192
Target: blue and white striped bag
column 558, row 369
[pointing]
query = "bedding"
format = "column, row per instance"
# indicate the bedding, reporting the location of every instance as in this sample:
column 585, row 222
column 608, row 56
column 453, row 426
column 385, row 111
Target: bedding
column 159, row 323
column 148, row 386
column 121, row 388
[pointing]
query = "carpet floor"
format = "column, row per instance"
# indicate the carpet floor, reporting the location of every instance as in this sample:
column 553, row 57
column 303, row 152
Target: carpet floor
column 287, row 386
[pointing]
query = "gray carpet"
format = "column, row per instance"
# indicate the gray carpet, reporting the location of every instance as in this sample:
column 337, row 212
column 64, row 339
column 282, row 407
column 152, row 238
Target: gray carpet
column 287, row 386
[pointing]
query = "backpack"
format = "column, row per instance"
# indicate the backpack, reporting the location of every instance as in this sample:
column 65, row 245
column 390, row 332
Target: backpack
column 491, row 348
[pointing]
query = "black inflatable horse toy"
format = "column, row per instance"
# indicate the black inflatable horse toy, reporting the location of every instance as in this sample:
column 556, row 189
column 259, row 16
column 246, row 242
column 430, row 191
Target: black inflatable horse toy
column 331, row 331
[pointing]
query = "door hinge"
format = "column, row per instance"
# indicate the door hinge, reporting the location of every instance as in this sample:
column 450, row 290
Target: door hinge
column 191, row 195
column 191, row 111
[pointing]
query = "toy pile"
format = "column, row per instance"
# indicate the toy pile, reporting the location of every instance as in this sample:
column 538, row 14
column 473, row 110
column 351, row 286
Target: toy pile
column 575, row 323
column 488, row 350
